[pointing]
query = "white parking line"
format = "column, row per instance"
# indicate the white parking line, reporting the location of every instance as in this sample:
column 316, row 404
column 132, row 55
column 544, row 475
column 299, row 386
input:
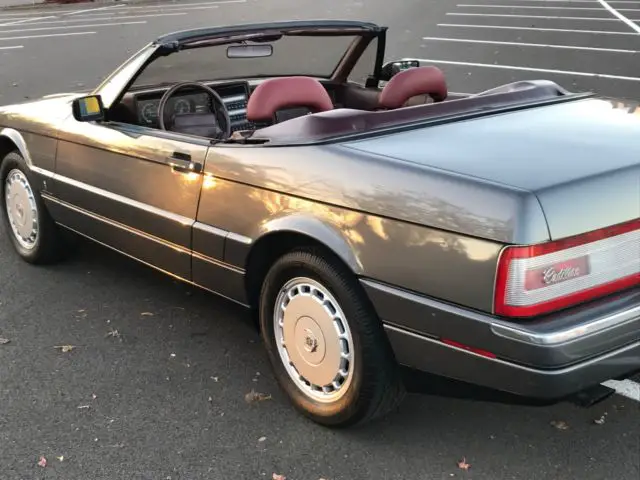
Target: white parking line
column 183, row 5
column 73, row 12
column 626, row 388
column 25, row 21
column 547, row 17
column 521, row 44
column 78, row 12
column 72, row 26
column 574, row 1
column 621, row 17
column 12, row 47
column 466, row 5
column 532, row 69
column 47, row 36
column 127, row 17
column 538, row 29
column 122, row 13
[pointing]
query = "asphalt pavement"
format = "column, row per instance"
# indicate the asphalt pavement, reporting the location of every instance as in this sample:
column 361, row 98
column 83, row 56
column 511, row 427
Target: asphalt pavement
column 155, row 384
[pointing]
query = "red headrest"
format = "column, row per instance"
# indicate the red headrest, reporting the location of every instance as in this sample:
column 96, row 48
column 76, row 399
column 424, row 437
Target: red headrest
column 287, row 92
column 412, row 82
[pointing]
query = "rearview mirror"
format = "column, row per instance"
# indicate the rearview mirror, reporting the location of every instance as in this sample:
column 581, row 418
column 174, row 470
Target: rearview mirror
column 393, row 68
column 88, row 109
column 249, row 51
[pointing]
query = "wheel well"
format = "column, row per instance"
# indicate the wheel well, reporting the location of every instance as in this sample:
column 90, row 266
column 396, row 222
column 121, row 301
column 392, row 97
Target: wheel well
column 268, row 250
column 6, row 146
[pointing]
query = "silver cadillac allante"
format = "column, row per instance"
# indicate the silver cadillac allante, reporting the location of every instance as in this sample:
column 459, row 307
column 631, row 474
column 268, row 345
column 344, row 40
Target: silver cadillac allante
column 369, row 217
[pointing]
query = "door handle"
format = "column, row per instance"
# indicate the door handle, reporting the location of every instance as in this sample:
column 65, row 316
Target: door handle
column 181, row 162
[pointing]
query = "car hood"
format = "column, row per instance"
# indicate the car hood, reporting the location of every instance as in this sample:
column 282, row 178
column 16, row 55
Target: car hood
column 38, row 116
column 580, row 158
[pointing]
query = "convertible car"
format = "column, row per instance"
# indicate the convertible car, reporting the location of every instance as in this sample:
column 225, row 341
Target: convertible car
column 369, row 218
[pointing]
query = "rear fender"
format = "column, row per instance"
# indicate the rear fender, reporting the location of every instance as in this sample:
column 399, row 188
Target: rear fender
column 316, row 229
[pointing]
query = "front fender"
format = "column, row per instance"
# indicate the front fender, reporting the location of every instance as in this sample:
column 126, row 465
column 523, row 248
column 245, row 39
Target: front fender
column 18, row 140
column 21, row 144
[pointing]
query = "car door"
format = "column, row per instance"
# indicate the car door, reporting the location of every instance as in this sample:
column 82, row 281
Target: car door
column 135, row 189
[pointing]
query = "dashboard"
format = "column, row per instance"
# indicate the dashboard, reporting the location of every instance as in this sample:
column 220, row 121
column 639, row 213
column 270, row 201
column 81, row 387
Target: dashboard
column 234, row 96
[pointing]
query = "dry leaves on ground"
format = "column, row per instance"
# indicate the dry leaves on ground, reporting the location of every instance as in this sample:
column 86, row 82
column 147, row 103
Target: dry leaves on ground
column 254, row 397
column 113, row 333
column 601, row 420
column 560, row 425
column 65, row 348
column 4, row 341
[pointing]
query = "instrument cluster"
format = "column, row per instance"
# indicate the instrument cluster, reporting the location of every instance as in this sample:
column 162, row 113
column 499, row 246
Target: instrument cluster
column 234, row 96
column 179, row 104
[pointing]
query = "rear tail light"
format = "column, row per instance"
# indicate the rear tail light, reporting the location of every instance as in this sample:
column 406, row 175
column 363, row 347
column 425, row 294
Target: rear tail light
column 538, row 279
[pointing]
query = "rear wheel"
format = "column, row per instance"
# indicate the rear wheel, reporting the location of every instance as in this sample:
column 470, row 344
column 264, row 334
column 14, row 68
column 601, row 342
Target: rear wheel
column 325, row 342
column 33, row 233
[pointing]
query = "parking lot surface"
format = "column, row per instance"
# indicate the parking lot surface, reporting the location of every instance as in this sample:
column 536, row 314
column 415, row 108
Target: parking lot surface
column 155, row 385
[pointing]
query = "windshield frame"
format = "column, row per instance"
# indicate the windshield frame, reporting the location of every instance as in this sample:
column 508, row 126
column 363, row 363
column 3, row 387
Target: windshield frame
column 172, row 43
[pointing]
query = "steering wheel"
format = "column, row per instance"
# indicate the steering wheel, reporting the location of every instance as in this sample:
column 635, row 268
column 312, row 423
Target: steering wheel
column 216, row 104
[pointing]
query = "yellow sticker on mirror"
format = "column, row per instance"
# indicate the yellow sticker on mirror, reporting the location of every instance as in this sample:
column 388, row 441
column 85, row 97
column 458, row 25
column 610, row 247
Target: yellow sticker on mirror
column 91, row 106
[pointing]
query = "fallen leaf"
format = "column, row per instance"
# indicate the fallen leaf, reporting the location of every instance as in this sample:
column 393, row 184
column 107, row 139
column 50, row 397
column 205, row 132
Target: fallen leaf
column 262, row 439
column 42, row 462
column 278, row 477
column 147, row 314
column 560, row 425
column 601, row 420
column 60, row 458
column 113, row 333
column 463, row 465
column 4, row 341
column 253, row 397
column 65, row 348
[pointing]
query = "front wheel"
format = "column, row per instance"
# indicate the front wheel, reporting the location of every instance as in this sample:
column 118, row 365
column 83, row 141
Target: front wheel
column 325, row 342
column 33, row 233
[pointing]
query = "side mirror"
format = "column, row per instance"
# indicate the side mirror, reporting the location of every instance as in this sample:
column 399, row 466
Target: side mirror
column 88, row 109
column 393, row 68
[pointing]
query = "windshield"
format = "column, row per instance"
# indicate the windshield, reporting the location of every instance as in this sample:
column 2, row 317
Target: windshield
column 314, row 56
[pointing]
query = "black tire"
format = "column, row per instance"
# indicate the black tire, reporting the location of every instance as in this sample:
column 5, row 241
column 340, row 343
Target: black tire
column 49, row 244
column 376, row 387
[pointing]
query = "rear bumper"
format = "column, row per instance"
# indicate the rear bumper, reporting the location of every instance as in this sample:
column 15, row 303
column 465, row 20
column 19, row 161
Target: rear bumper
column 548, row 358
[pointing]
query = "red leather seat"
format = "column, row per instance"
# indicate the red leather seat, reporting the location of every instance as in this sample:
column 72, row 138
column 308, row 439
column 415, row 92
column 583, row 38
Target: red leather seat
column 413, row 82
column 277, row 94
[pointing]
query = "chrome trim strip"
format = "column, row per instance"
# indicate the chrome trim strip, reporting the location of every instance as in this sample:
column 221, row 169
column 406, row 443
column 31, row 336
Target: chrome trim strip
column 127, row 201
column 239, row 238
column 42, row 171
column 525, row 368
column 553, row 338
column 119, row 225
column 217, row 263
column 217, row 232
column 177, row 277
column 510, row 331
column 239, row 111
column 234, row 98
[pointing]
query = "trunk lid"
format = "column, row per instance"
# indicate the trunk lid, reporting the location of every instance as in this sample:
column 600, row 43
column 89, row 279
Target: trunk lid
column 580, row 158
